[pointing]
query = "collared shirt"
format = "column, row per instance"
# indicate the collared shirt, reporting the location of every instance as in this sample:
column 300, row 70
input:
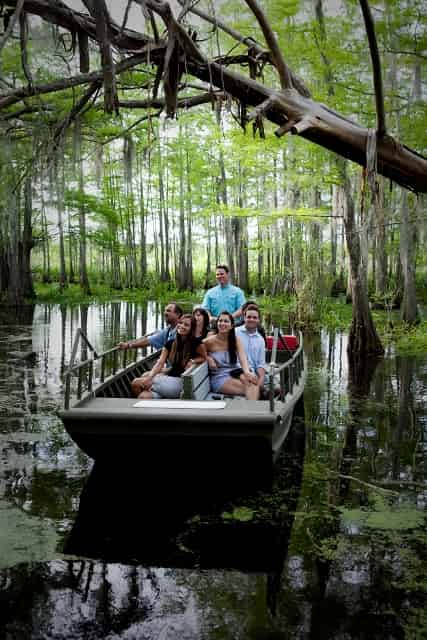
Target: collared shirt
column 223, row 298
column 160, row 338
column 254, row 346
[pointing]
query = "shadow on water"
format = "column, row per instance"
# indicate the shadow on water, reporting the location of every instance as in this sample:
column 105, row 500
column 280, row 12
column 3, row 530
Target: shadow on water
column 204, row 515
column 173, row 554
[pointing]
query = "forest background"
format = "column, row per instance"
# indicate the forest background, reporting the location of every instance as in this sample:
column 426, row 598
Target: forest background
column 122, row 174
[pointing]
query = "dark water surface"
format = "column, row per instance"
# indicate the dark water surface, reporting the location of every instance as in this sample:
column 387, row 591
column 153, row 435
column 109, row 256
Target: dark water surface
column 140, row 549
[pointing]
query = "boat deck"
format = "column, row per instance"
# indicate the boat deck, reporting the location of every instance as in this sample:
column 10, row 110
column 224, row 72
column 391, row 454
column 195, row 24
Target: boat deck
column 236, row 416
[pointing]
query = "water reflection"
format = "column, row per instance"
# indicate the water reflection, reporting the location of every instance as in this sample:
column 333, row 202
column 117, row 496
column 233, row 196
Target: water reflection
column 338, row 559
column 185, row 557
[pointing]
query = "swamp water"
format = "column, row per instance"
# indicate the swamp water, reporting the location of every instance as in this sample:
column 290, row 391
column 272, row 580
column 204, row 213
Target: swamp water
column 335, row 549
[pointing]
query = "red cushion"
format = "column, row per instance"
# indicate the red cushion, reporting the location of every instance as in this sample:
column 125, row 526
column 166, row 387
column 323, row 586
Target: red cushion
column 291, row 343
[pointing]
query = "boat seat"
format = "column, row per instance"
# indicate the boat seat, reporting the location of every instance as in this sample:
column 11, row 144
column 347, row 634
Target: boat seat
column 196, row 383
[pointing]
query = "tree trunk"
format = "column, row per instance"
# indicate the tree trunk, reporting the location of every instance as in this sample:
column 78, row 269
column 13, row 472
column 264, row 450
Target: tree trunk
column 189, row 257
column 59, row 179
column 363, row 339
column 27, row 241
column 380, row 253
column 407, row 258
column 15, row 285
column 83, row 275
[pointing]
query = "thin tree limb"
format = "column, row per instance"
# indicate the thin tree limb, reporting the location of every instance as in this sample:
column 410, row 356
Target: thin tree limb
column 84, row 58
column 376, row 67
column 260, row 52
column 164, row 10
column 270, row 38
column 12, row 22
column 62, row 126
column 23, row 37
column 101, row 15
column 183, row 103
column 12, row 97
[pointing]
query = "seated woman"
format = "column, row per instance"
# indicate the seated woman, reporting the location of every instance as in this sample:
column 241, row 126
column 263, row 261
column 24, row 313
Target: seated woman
column 228, row 364
column 181, row 353
column 202, row 323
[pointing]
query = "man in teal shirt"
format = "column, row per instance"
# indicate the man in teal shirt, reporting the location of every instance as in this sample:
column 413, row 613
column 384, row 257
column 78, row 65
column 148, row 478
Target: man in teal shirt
column 223, row 297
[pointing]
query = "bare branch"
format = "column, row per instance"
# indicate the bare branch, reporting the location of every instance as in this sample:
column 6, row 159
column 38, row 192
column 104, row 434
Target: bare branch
column 270, row 38
column 251, row 43
column 59, row 14
column 12, row 97
column 165, row 12
column 183, row 103
column 62, row 126
column 83, row 51
column 23, row 36
column 12, row 22
column 102, row 18
column 376, row 67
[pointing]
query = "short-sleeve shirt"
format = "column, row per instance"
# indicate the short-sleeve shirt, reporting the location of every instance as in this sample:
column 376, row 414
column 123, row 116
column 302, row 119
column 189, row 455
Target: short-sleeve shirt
column 223, row 298
column 254, row 346
column 160, row 338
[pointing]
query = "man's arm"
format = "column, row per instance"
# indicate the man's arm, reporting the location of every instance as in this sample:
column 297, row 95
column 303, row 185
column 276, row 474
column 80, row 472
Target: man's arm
column 240, row 299
column 135, row 344
column 260, row 369
column 157, row 340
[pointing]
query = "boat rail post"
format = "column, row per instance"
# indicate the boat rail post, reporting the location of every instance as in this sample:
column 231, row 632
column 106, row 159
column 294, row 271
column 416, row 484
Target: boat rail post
column 90, row 375
column 67, row 390
column 272, row 368
column 102, row 373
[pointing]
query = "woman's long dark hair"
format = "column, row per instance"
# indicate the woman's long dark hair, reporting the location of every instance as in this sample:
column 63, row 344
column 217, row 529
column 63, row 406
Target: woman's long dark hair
column 232, row 346
column 206, row 320
column 180, row 353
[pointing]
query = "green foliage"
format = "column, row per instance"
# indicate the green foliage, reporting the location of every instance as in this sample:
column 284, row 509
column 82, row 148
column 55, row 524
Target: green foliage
column 384, row 518
column 411, row 340
column 241, row 514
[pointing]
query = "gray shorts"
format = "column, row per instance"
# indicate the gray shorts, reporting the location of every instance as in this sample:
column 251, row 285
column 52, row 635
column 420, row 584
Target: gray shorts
column 166, row 387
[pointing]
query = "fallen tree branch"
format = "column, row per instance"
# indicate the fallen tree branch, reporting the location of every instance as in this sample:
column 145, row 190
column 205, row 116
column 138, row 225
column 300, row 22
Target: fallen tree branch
column 330, row 130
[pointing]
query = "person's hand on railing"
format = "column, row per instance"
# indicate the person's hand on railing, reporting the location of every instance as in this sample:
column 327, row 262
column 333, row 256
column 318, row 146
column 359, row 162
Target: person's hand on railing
column 126, row 345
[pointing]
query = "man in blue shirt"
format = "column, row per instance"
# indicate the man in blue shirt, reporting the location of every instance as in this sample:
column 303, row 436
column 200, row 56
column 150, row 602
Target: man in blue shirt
column 158, row 339
column 223, row 297
column 253, row 343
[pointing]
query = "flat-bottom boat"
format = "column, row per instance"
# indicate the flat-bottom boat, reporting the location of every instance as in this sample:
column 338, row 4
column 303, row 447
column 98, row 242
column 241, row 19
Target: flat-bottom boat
column 103, row 419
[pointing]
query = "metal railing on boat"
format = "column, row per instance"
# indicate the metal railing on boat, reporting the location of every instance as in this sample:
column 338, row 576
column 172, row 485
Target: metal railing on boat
column 84, row 370
column 288, row 373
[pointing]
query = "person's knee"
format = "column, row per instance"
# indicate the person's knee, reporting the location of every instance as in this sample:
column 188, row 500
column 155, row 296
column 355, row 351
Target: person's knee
column 135, row 386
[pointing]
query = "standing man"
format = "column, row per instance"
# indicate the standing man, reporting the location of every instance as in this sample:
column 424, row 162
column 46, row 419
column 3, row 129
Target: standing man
column 253, row 343
column 157, row 340
column 223, row 297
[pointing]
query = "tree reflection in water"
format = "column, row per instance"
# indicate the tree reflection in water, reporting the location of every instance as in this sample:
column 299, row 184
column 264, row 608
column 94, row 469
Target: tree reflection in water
column 323, row 555
column 188, row 565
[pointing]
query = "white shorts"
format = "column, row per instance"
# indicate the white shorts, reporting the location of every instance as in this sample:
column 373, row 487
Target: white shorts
column 164, row 386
